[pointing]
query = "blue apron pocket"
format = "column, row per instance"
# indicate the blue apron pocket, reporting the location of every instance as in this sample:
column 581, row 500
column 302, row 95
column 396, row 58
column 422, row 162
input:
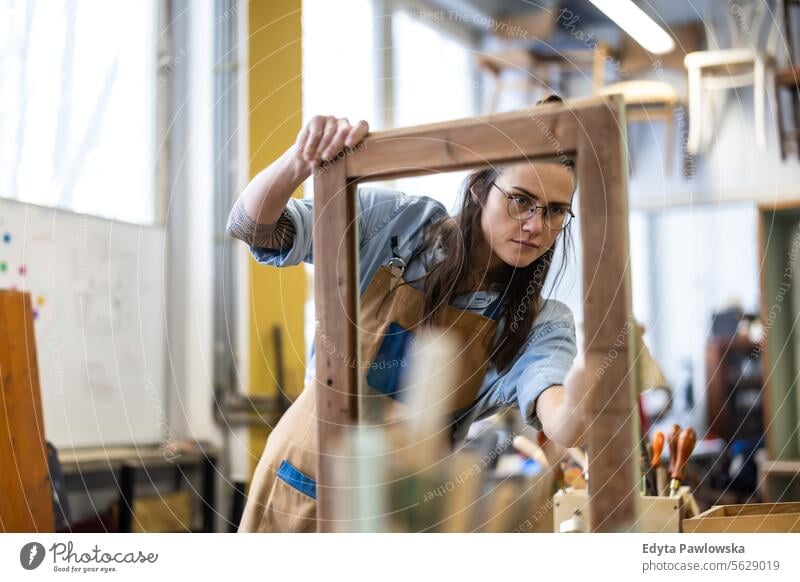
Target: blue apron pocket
column 294, row 477
column 387, row 369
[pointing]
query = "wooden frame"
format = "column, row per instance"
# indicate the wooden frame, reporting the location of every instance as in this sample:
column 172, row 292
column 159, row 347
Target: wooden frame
column 590, row 131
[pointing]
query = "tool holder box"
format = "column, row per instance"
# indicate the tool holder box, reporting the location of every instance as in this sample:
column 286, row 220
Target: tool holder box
column 658, row 514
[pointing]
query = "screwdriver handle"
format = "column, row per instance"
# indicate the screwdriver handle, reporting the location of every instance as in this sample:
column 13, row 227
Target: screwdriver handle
column 646, row 452
column 658, row 447
column 686, row 444
column 673, row 447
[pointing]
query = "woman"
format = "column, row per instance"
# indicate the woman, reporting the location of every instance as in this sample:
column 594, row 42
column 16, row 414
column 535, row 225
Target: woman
column 481, row 272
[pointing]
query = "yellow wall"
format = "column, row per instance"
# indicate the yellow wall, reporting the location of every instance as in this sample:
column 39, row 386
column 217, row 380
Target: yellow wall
column 277, row 296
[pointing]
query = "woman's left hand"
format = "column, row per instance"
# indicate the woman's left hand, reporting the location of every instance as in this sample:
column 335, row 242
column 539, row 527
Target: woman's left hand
column 562, row 409
column 576, row 391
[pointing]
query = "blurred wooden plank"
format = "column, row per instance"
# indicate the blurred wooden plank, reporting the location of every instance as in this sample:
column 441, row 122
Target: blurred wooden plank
column 608, row 324
column 26, row 499
column 337, row 293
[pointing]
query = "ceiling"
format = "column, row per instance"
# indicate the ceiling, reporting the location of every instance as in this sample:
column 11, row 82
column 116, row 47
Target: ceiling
column 667, row 12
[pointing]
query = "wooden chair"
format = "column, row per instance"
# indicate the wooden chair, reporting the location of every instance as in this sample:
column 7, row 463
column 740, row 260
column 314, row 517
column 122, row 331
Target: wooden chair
column 741, row 53
column 539, row 69
column 590, row 130
column 649, row 100
column 787, row 80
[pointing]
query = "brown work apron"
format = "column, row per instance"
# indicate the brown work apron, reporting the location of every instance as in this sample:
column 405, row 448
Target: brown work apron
column 282, row 496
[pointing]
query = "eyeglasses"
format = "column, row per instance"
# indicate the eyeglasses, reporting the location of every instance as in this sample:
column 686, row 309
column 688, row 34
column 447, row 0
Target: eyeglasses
column 521, row 208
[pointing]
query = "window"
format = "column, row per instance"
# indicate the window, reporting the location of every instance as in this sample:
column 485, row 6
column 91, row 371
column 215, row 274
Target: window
column 338, row 77
column 429, row 90
column 387, row 78
column 79, row 92
column 349, row 81
column 337, row 64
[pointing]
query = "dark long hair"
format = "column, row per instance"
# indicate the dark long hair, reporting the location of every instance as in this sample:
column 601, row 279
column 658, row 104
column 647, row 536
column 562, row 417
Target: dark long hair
column 460, row 238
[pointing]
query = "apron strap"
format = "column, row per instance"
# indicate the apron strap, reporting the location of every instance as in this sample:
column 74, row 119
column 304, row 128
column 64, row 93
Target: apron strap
column 493, row 311
column 395, row 251
column 397, row 261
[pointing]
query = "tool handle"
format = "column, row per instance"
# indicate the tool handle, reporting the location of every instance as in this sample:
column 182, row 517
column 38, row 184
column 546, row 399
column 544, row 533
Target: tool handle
column 686, row 444
column 658, row 446
column 645, row 467
column 673, row 447
column 662, row 481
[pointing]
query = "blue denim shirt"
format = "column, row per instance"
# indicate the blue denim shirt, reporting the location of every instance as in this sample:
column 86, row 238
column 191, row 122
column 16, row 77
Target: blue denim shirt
column 383, row 214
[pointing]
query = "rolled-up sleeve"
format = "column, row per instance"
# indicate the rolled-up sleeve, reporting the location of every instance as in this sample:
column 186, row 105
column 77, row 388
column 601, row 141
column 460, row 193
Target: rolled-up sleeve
column 301, row 213
column 376, row 209
column 545, row 360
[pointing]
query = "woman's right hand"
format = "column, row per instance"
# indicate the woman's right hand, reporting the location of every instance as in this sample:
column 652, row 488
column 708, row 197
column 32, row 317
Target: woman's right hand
column 324, row 136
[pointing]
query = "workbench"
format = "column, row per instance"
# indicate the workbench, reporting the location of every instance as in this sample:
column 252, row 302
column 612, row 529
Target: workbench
column 125, row 463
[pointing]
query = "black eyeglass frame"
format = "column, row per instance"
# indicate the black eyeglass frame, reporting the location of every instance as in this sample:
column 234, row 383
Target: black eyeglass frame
column 545, row 220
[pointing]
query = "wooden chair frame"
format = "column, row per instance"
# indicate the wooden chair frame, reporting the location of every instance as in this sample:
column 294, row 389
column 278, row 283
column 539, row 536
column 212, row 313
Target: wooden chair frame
column 589, row 131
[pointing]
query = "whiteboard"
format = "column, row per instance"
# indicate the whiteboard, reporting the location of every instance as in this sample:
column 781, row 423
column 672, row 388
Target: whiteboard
column 97, row 288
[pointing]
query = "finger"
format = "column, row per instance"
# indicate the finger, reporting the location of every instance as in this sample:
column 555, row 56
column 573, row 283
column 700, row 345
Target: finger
column 329, row 146
column 357, row 133
column 331, row 127
column 317, row 125
column 337, row 143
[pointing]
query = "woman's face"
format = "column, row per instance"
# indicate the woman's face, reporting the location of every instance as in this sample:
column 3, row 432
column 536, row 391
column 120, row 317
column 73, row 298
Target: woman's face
column 520, row 243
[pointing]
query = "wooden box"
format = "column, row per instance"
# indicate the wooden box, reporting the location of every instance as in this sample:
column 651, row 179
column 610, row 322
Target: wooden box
column 659, row 514
column 747, row 518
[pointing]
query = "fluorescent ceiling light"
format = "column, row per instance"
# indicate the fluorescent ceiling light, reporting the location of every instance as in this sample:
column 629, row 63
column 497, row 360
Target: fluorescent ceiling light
column 641, row 28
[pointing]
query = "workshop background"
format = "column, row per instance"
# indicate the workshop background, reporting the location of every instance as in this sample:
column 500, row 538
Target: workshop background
column 163, row 352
